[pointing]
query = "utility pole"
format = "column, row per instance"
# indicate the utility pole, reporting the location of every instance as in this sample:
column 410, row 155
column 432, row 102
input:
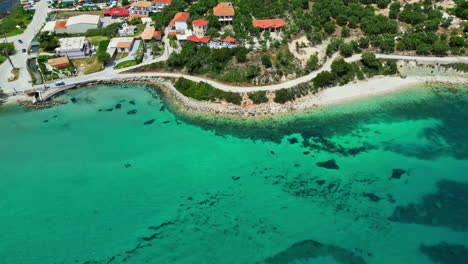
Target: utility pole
column 5, row 52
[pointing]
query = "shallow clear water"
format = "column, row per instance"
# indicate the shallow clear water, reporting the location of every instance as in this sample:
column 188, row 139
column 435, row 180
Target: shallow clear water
column 381, row 180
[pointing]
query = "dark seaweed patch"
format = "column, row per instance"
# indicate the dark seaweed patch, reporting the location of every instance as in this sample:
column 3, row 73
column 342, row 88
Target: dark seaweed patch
column 313, row 249
column 149, row 122
column 447, row 207
column 118, row 106
column 330, row 164
column 372, row 197
column 73, row 100
column 109, row 109
column 132, row 112
column 397, row 173
column 445, row 253
column 132, row 102
column 293, row 140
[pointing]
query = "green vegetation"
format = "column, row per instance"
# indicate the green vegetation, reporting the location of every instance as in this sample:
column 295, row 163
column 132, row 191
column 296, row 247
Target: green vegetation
column 126, row 64
column 49, row 42
column 258, row 97
column 110, row 31
column 284, row 95
column 2, row 94
column 205, row 92
column 8, row 48
column 101, row 53
column 458, row 66
column 16, row 17
column 2, row 59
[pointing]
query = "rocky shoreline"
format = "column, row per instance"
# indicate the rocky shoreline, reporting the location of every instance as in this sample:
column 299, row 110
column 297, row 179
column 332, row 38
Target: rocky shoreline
column 411, row 74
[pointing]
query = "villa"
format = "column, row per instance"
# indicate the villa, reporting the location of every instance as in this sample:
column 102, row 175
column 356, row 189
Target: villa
column 199, row 41
column 116, row 12
column 179, row 17
column 74, row 48
column 225, row 12
column 60, row 27
column 200, row 26
column 120, row 45
column 271, row 25
column 59, row 62
column 158, row 5
column 140, row 8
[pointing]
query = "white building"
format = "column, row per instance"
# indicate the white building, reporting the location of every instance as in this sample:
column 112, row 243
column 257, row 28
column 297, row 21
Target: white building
column 140, row 8
column 158, row 5
column 225, row 12
column 200, row 26
column 119, row 45
column 74, row 48
column 48, row 27
column 82, row 23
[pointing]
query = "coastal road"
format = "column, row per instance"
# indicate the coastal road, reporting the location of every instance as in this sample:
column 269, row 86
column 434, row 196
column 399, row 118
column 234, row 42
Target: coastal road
column 19, row 59
column 110, row 74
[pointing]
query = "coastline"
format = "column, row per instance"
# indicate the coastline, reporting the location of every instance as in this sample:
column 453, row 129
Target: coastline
column 414, row 75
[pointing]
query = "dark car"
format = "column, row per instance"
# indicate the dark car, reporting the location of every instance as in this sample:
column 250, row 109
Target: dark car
column 20, row 41
column 29, row 18
column 23, row 50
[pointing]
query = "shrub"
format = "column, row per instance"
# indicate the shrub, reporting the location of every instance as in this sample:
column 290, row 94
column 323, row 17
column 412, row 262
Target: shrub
column 258, row 97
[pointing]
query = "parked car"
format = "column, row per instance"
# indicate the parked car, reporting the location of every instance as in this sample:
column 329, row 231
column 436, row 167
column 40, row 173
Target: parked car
column 23, row 50
column 20, row 41
column 29, row 18
column 60, row 83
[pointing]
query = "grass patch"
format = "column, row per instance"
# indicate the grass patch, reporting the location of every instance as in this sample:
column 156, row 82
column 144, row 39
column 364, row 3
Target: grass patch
column 125, row 64
column 15, row 72
column 121, row 56
column 96, row 39
column 2, row 59
column 16, row 17
column 205, row 92
column 91, row 65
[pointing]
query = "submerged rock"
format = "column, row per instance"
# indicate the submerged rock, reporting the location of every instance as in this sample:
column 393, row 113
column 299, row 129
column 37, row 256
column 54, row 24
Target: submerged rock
column 445, row 253
column 330, row 164
column 372, row 197
column 166, row 122
column 162, row 108
column 235, row 178
column 308, row 249
column 447, row 207
column 118, row 106
column 178, row 122
column 132, row 112
column 132, row 102
column 272, row 152
column 397, row 173
column 128, row 165
column 293, row 140
column 45, row 121
column 73, row 100
column 109, row 110
column 149, row 122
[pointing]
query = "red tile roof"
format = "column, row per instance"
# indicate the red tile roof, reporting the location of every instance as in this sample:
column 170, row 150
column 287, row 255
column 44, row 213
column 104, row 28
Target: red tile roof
column 198, row 40
column 157, row 34
column 200, row 22
column 117, row 12
column 167, row 2
column 269, row 23
column 181, row 16
column 229, row 39
column 172, row 33
column 62, row 24
column 223, row 9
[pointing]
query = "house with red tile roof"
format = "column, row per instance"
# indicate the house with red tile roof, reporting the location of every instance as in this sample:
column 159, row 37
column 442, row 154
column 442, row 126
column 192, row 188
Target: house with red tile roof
column 60, row 27
column 140, row 8
column 179, row 17
column 158, row 5
column 199, row 41
column 225, row 12
column 116, row 12
column 271, row 25
column 200, row 26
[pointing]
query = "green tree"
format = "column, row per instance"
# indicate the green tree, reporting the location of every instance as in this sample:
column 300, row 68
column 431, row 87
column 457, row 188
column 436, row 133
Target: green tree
column 266, row 60
column 346, row 50
column 8, row 48
column 313, row 63
column 103, row 57
column 329, row 27
column 440, row 47
column 370, row 60
column 323, row 79
column 125, row 2
column 345, row 32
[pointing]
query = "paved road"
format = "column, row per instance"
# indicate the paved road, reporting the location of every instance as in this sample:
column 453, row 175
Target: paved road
column 110, row 74
column 19, row 59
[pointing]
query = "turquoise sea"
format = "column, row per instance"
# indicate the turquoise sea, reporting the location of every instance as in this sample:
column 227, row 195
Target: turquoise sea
column 119, row 176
